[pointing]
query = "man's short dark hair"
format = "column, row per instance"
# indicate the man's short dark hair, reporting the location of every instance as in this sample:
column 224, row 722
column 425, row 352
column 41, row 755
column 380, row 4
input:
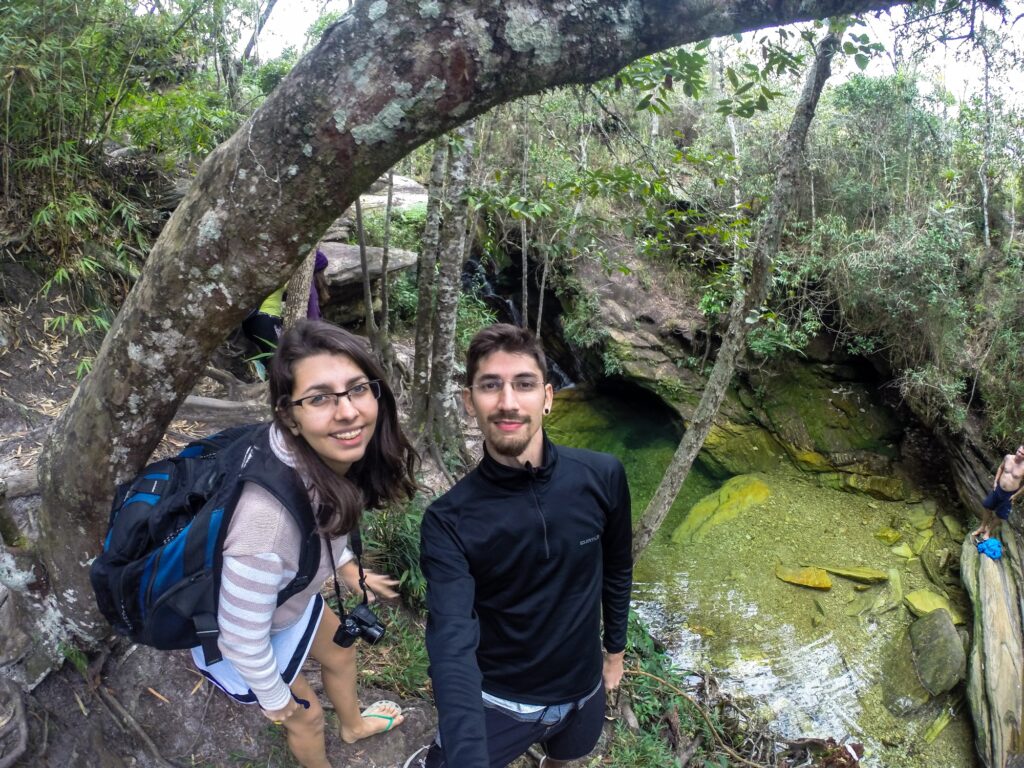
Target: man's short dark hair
column 503, row 337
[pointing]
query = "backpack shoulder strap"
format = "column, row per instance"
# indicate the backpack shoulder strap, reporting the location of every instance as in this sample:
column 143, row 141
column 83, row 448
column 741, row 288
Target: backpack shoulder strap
column 262, row 467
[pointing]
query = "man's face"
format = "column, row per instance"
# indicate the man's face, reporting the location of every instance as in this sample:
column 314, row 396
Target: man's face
column 508, row 398
column 1020, row 452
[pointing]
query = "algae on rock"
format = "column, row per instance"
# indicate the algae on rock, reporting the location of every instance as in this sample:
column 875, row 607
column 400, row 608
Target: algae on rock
column 815, row 578
column 736, row 495
column 922, row 601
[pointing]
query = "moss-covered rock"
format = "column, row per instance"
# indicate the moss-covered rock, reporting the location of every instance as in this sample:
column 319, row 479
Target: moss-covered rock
column 886, row 487
column 939, row 656
column 736, row 495
column 735, row 449
column 902, row 691
column 817, row 408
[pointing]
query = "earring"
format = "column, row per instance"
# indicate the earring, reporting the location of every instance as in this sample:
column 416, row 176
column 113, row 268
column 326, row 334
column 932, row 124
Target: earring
column 547, row 411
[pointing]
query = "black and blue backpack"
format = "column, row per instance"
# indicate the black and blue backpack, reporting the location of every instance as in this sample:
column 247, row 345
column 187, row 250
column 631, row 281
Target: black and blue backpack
column 158, row 578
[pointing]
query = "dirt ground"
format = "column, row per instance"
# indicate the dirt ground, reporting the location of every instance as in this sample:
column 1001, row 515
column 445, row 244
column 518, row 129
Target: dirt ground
column 151, row 708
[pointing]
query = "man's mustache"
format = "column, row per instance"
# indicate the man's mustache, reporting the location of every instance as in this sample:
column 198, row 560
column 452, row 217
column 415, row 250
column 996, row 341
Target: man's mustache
column 510, row 416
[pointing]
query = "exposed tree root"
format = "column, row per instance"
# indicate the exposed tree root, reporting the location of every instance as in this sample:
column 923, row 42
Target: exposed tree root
column 12, row 723
column 131, row 722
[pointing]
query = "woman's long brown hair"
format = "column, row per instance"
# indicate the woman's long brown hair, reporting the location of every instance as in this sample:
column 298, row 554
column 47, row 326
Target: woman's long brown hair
column 385, row 473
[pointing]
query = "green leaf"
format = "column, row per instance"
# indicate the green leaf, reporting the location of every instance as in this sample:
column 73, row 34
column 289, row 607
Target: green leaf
column 862, row 61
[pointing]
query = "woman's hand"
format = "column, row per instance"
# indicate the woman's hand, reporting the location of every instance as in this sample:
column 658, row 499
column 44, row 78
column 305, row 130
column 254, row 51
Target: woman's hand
column 378, row 584
column 381, row 585
column 278, row 716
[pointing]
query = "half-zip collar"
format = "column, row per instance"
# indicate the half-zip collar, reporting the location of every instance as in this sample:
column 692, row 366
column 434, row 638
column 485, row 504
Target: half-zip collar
column 519, row 477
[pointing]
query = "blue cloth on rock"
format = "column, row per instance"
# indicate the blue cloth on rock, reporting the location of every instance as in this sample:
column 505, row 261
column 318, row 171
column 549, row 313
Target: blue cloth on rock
column 991, row 547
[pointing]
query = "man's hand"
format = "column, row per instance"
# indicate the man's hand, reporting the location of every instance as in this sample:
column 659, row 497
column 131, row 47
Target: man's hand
column 613, row 670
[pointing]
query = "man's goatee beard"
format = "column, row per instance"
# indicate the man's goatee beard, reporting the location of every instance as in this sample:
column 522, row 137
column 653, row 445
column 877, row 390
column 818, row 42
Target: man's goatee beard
column 510, row 448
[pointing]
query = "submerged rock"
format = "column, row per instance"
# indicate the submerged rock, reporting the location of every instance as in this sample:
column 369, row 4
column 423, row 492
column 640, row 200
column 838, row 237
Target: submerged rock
column 939, row 656
column 921, row 541
column 857, row 573
column 923, row 601
column 903, row 550
column 921, row 518
column 736, row 495
column 902, row 691
column 815, row 578
column 887, row 535
column 956, row 531
column 863, row 602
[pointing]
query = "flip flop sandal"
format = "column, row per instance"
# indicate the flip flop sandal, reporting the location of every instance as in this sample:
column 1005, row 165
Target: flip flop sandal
column 374, row 710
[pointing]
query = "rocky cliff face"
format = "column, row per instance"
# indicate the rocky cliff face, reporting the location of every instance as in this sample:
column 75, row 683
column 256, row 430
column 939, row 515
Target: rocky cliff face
column 815, row 412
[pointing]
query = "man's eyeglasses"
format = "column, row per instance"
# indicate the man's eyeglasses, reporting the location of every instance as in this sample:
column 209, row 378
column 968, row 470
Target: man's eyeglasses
column 497, row 386
column 360, row 393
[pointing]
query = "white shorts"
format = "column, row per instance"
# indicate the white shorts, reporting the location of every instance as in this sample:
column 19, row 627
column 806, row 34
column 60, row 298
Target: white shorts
column 291, row 646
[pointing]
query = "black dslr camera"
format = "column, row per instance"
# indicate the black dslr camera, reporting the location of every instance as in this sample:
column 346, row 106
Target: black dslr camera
column 359, row 622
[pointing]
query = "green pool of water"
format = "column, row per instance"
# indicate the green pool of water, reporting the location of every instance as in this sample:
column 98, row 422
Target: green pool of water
column 792, row 652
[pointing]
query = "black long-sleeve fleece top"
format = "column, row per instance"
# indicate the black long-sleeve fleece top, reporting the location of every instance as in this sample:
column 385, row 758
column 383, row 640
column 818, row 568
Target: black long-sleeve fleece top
column 521, row 564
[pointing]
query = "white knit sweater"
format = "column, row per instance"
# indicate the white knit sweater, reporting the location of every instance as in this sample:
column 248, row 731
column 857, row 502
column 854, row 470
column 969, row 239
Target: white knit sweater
column 261, row 554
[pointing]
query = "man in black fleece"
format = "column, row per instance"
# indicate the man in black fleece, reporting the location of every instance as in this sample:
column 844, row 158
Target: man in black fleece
column 523, row 559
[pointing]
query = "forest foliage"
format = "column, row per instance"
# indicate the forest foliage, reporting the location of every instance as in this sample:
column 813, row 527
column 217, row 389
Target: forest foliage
column 906, row 247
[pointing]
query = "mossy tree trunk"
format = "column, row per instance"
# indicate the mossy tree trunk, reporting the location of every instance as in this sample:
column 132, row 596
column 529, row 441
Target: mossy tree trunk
column 746, row 303
column 382, row 81
column 442, row 431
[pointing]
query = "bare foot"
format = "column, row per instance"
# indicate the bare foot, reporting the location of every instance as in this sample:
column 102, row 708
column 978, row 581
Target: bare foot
column 379, row 717
column 980, row 534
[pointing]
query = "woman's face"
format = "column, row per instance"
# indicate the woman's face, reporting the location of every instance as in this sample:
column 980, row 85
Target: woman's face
column 337, row 428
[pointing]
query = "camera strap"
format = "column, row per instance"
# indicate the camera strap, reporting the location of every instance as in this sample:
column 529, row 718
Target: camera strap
column 356, row 545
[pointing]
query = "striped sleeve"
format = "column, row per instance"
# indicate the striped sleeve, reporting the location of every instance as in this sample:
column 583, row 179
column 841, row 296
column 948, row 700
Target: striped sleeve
column 248, row 597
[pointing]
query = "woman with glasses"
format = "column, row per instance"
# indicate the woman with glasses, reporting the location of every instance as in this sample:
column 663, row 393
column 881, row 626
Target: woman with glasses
column 336, row 423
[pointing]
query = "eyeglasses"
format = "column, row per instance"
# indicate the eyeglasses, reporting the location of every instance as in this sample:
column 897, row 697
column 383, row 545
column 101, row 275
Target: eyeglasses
column 494, row 387
column 360, row 393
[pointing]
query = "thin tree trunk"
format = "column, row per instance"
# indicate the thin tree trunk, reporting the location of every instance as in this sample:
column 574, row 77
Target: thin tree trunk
column 384, row 254
column 986, row 144
column 297, row 302
column 546, row 249
column 386, row 351
column 425, row 282
column 525, row 309
column 745, row 304
column 372, row 331
column 260, row 23
column 443, row 426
